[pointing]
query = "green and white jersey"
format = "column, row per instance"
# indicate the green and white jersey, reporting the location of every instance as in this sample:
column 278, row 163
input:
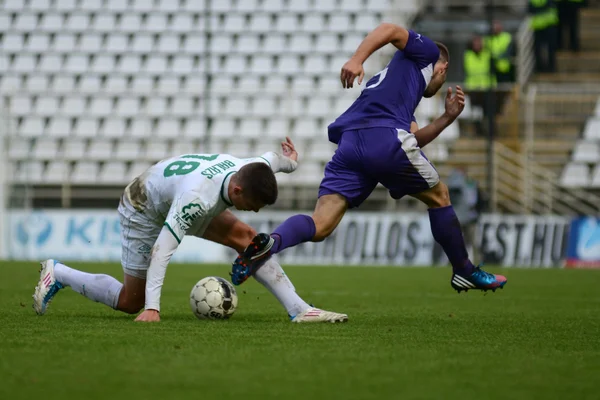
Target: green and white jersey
column 184, row 192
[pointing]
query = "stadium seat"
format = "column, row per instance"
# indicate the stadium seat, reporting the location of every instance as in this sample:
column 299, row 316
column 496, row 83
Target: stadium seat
column 90, row 84
column 59, row 127
column 157, row 150
column 100, row 149
column 127, row 106
column 30, row 172
column 115, row 84
column 23, row 63
column 140, row 127
column 113, row 128
column 586, row 152
column 596, row 177
column 575, row 175
column 74, row 106
column 90, row 43
column 168, row 128
column 86, row 127
column 130, row 23
column 25, row 22
column 57, row 172
column 116, row 44
column 31, row 127
column 10, row 84
column 76, row 63
column 142, row 43
column 62, row 84
column 251, row 128
column 155, row 65
column 20, row 105
column 300, row 44
column 239, row 148
column 137, row 168
column 85, row 172
column 39, row 5
column 73, row 149
column 19, row 148
column 592, row 129
column 129, row 64
column 128, row 150
column 12, row 43
column 194, row 128
column 45, row 149
column 46, row 106
column 274, row 44
column 37, row 84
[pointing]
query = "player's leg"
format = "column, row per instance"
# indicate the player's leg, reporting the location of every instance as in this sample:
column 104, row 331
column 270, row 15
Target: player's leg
column 345, row 185
column 413, row 174
column 228, row 230
column 137, row 239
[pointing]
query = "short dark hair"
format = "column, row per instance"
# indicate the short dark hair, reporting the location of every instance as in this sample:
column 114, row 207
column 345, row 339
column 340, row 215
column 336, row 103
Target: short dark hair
column 444, row 53
column 258, row 182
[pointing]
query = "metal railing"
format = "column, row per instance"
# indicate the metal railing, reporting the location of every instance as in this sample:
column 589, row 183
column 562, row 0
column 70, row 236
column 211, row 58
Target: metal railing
column 525, row 57
column 523, row 186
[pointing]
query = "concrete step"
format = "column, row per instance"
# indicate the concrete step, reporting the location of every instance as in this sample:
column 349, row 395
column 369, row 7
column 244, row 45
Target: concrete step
column 575, row 77
column 584, row 61
column 589, row 40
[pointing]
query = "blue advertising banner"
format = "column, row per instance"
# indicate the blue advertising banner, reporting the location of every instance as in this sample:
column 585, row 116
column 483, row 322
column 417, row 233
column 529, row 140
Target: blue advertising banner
column 583, row 249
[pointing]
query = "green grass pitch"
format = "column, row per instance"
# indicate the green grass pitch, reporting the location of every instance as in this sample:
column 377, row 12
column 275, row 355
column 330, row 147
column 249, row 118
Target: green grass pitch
column 409, row 337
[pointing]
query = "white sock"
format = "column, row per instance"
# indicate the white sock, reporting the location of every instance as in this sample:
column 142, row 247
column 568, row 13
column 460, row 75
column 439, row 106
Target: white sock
column 97, row 287
column 271, row 276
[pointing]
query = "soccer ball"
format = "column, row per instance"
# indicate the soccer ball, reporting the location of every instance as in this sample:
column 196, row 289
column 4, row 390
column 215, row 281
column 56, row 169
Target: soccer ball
column 213, row 298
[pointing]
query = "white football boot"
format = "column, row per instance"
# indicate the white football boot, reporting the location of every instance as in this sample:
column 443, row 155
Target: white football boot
column 317, row 315
column 46, row 288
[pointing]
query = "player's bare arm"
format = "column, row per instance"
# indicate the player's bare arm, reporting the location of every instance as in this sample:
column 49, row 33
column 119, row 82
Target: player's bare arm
column 454, row 105
column 385, row 33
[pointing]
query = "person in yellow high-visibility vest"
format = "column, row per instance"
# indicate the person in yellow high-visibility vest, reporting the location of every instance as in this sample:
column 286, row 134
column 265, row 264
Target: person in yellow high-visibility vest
column 479, row 76
column 500, row 44
column 544, row 22
column 477, row 66
column 568, row 18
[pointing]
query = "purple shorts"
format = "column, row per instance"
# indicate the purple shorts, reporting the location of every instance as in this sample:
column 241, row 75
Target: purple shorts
column 365, row 157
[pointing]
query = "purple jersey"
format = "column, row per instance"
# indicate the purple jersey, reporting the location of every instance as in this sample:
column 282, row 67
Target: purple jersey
column 390, row 98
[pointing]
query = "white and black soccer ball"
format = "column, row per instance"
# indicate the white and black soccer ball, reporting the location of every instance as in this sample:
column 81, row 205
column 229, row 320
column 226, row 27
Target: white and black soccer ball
column 213, row 298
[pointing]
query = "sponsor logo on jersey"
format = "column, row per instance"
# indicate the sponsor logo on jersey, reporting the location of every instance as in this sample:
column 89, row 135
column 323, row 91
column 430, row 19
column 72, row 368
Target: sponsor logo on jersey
column 188, row 215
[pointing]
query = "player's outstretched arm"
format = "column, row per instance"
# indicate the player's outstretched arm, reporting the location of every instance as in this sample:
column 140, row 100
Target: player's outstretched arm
column 286, row 162
column 161, row 254
column 385, row 33
column 453, row 107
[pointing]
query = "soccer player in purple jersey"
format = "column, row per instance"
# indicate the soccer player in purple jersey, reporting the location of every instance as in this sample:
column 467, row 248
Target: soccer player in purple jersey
column 375, row 145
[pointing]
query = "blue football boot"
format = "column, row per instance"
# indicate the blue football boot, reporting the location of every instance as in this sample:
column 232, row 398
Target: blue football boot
column 253, row 257
column 477, row 280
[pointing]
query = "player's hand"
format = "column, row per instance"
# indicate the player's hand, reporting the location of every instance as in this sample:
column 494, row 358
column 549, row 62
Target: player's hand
column 455, row 104
column 350, row 71
column 148, row 316
column 289, row 150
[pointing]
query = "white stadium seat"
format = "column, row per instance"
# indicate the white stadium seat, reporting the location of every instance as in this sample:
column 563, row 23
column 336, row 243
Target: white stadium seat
column 32, row 127
column 59, row 127
column 73, row 149
column 592, row 129
column 77, row 63
column 62, row 84
column 100, row 149
column 586, row 152
column 86, row 127
column 73, row 106
column 90, row 43
column 113, row 128
column 85, row 172
column 140, row 127
column 168, row 128
column 12, row 43
column 274, row 44
column 575, row 175
column 19, row 148
column 128, row 150
column 45, row 149
column 57, row 172
column 30, row 172
column 194, row 128
column 157, row 150
column 90, row 84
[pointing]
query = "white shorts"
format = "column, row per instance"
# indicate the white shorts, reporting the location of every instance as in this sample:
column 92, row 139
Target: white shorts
column 138, row 235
